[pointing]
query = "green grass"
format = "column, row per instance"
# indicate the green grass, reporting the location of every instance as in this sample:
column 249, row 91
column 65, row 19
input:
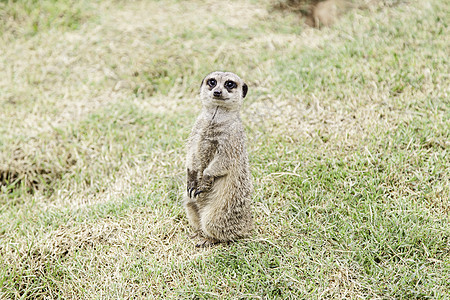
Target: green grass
column 348, row 133
column 30, row 17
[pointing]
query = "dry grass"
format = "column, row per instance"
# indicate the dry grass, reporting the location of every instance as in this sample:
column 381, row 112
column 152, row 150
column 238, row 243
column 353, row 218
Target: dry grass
column 348, row 133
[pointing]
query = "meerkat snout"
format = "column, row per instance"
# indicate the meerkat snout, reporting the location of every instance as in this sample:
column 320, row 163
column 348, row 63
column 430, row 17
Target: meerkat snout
column 217, row 93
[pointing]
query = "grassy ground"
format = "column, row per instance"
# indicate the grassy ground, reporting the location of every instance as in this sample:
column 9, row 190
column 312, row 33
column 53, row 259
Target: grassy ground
column 348, row 133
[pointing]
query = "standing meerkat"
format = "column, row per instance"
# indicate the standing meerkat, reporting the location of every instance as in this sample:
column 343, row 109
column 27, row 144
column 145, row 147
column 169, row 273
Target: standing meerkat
column 219, row 183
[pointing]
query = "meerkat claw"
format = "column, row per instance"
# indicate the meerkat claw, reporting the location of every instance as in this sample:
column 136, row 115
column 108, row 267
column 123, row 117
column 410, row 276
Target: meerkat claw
column 197, row 193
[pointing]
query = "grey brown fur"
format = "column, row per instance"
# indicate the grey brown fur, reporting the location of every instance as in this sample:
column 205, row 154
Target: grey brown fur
column 219, row 184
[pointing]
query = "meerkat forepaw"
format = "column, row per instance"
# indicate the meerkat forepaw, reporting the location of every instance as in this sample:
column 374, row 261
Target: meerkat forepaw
column 201, row 189
column 191, row 182
column 205, row 185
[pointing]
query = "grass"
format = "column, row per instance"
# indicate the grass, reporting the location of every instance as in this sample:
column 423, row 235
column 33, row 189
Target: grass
column 348, row 135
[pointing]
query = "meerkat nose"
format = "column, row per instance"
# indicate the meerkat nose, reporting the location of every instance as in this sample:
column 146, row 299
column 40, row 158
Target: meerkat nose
column 217, row 93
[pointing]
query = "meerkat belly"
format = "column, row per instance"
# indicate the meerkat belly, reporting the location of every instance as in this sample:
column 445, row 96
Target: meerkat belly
column 206, row 150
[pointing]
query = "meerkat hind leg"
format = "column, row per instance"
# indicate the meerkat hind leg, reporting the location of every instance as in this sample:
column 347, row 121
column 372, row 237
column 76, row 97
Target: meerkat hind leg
column 207, row 242
column 193, row 215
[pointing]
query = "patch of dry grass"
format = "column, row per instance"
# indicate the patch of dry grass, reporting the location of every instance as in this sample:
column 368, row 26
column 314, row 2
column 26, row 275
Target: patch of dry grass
column 347, row 133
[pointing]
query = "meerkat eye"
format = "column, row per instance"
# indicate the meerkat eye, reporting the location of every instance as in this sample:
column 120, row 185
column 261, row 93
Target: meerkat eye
column 211, row 82
column 230, row 84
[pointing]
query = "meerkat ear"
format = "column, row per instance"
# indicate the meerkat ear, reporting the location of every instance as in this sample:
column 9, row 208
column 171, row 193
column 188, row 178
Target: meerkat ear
column 202, row 82
column 244, row 90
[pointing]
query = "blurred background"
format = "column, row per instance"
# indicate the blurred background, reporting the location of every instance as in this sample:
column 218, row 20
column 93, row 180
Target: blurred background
column 347, row 120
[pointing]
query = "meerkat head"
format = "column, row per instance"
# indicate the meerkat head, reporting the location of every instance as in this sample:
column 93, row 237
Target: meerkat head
column 224, row 89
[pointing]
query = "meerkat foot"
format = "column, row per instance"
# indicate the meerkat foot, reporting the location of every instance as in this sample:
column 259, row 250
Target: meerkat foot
column 196, row 234
column 207, row 242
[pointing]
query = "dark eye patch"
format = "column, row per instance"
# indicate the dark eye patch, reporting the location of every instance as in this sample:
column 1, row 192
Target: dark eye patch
column 230, row 84
column 211, row 82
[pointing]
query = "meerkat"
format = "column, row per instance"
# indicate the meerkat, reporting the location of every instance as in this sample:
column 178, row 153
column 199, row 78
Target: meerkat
column 219, row 183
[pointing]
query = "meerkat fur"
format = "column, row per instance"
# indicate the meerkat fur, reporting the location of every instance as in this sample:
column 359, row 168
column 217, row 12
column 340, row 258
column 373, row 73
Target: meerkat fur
column 219, row 183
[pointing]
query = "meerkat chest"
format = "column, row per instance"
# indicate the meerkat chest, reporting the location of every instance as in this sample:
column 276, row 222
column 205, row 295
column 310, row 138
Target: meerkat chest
column 210, row 139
